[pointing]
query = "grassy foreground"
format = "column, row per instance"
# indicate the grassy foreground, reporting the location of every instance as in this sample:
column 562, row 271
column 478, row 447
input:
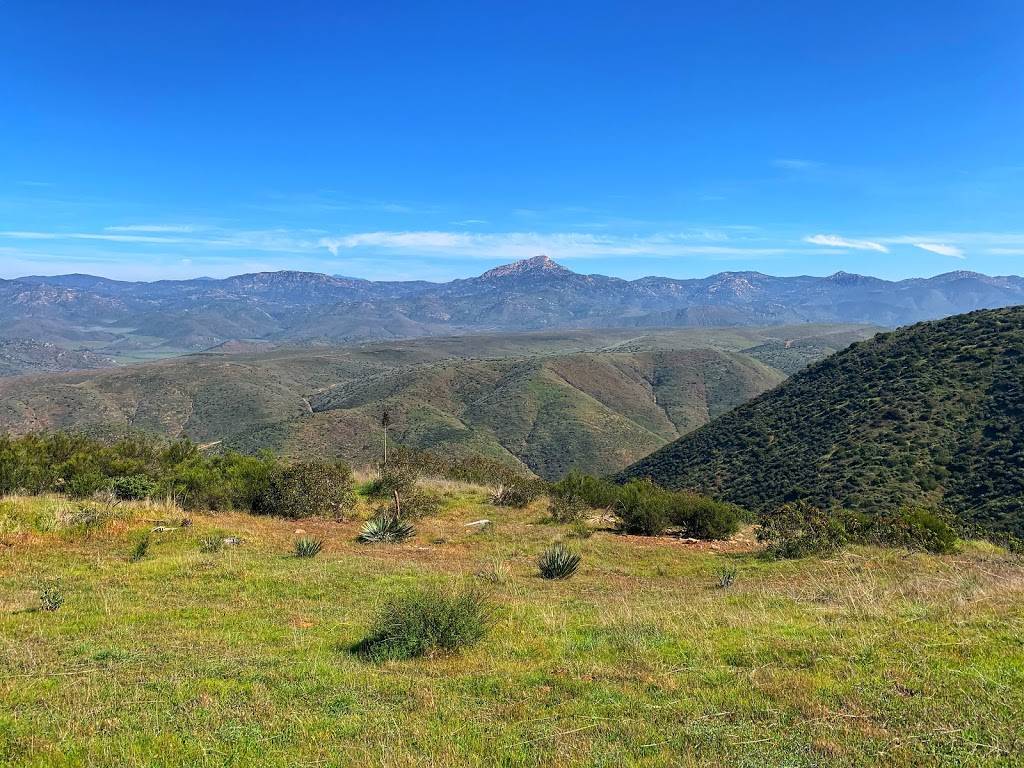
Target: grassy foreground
column 243, row 657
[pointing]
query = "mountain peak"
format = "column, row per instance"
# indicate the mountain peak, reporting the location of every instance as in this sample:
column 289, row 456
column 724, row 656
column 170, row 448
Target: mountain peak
column 536, row 266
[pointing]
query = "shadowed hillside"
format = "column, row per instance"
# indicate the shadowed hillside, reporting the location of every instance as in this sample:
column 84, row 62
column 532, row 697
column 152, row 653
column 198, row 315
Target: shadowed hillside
column 929, row 413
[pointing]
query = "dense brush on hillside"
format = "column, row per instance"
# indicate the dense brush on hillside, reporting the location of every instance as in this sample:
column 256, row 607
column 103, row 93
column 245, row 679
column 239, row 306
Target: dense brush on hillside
column 931, row 413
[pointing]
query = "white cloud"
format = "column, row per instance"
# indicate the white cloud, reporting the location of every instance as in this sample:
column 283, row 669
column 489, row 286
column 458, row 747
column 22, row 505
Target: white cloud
column 941, row 249
column 560, row 245
column 179, row 228
column 835, row 241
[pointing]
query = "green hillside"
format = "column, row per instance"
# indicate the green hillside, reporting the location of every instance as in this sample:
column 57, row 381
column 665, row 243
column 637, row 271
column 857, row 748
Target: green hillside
column 931, row 413
column 551, row 402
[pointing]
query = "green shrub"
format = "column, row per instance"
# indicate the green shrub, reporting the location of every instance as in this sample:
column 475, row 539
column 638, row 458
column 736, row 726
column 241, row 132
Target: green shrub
column 799, row 529
column 394, row 476
column 643, row 508
column 558, row 562
column 386, row 528
column 911, row 527
column 568, row 508
column 417, row 504
column 84, row 485
column 593, row 491
column 309, row 489
column 308, row 547
column 133, row 487
column 425, row 622
column 704, row 518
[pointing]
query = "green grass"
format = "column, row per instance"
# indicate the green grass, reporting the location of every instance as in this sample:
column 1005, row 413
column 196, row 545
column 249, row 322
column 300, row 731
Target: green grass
column 242, row 657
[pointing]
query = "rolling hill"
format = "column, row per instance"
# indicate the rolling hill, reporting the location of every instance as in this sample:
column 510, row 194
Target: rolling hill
column 133, row 321
column 929, row 413
column 549, row 401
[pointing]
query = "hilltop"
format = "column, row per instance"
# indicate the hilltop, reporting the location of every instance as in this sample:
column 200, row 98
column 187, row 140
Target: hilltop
column 933, row 413
column 546, row 401
column 130, row 321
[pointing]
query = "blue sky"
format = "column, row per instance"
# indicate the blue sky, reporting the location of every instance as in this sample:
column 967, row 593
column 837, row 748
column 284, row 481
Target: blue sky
column 429, row 140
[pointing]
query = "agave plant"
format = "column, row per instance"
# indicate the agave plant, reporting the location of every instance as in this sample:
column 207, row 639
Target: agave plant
column 308, row 547
column 558, row 562
column 384, row 528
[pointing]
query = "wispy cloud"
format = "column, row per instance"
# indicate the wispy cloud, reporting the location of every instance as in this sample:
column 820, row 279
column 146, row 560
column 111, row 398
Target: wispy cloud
column 179, row 228
column 835, row 241
column 563, row 245
column 795, row 164
column 942, row 249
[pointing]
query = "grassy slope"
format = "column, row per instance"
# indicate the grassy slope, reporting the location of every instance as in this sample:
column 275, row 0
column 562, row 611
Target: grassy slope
column 240, row 658
column 932, row 412
column 596, row 400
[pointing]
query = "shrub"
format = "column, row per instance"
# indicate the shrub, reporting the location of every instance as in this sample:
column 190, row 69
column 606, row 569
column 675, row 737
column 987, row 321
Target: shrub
column 394, row 476
column 51, row 596
column 141, row 549
column 643, row 508
column 308, row 547
column 799, row 529
column 568, row 508
column 704, row 518
column 917, row 528
column 133, row 487
column 84, row 485
column 417, row 504
column 309, row 489
column 385, row 527
column 518, row 494
column 558, row 562
column 425, row 622
column 211, row 544
column 593, row 491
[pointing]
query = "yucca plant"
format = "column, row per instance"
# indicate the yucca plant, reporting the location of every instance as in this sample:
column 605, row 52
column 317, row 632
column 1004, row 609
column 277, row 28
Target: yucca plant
column 726, row 577
column 141, row 549
column 211, row 544
column 558, row 562
column 308, row 547
column 386, row 528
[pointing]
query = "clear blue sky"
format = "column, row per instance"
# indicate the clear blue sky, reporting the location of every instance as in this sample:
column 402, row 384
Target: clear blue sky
column 434, row 140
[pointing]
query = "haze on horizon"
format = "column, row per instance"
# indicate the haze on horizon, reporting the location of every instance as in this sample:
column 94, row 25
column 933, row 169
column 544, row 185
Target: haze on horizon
column 398, row 142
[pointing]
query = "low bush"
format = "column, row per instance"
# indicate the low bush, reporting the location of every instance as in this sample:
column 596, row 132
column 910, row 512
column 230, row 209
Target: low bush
column 568, row 508
column 918, row 528
column 394, row 476
column 593, row 491
column 133, row 487
column 308, row 547
column 425, row 622
column 309, row 489
column 519, row 494
column 704, row 518
column 643, row 508
column 799, row 529
column 558, row 562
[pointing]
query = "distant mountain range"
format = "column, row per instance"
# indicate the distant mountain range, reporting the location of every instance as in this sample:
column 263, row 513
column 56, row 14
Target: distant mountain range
column 139, row 320
column 933, row 413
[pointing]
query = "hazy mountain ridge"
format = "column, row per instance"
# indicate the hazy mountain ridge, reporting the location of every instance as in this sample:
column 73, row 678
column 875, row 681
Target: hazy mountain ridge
column 933, row 413
column 169, row 317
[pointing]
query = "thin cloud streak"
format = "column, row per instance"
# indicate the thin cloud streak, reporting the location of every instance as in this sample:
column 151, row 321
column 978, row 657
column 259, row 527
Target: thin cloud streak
column 835, row 241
